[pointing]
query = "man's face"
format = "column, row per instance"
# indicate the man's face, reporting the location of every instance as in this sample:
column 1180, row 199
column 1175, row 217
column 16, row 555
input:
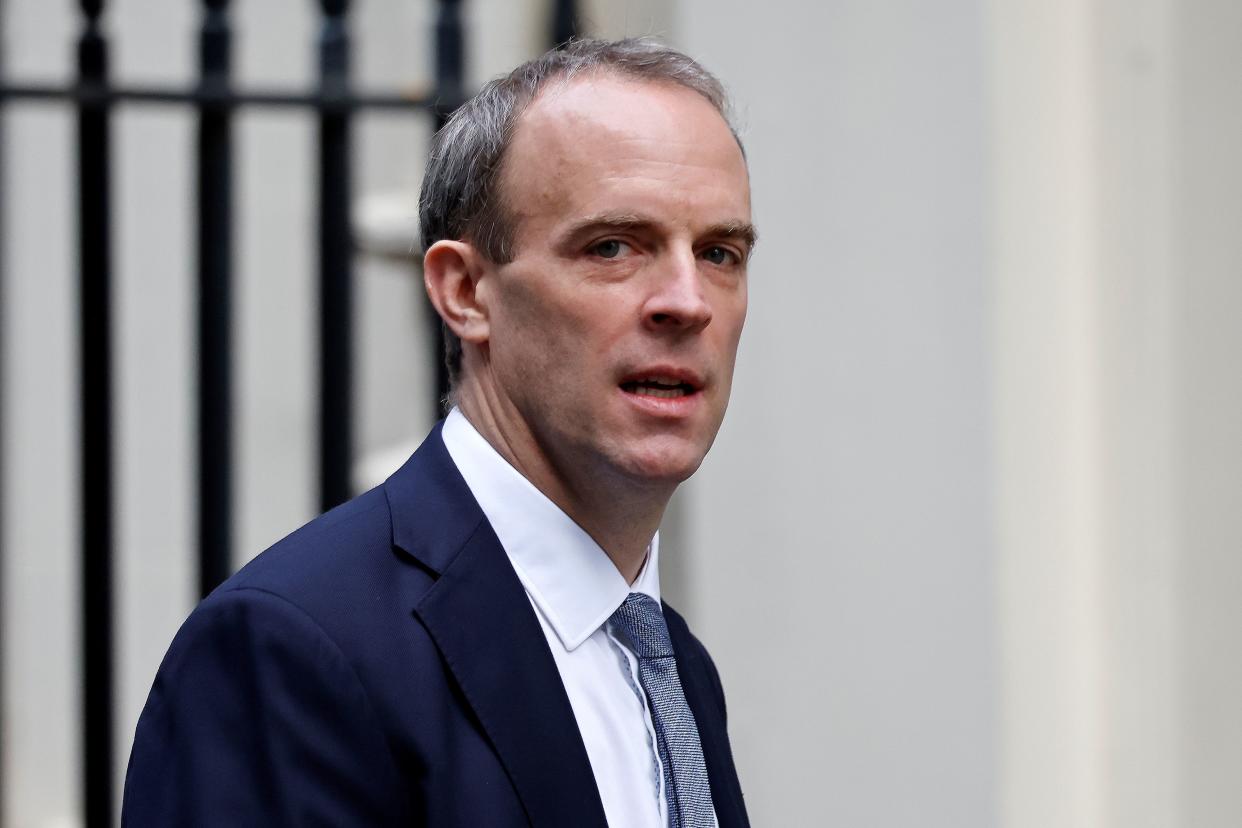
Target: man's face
column 613, row 331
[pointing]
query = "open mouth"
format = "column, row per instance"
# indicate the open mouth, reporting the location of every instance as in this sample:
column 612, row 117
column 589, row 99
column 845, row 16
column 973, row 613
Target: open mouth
column 662, row 387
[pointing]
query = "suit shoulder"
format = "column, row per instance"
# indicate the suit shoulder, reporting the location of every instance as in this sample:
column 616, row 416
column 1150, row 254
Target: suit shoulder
column 363, row 520
column 253, row 708
column 342, row 559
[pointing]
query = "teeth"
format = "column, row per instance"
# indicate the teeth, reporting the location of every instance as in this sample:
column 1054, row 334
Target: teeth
column 656, row 385
column 666, row 393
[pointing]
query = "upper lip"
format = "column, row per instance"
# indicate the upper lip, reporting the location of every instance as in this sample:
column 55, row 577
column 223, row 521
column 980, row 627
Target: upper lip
column 665, row 373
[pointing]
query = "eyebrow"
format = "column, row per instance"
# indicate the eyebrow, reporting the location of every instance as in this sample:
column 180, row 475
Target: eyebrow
column 743, row 231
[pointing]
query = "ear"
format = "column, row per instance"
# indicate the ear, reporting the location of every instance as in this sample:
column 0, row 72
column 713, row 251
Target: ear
column 451, row 274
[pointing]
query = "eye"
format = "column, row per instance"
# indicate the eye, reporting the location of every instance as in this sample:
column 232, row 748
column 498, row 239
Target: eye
column 609, row 248
column 718, row 255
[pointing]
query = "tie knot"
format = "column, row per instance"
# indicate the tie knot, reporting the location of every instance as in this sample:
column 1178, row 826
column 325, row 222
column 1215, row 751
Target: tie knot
column 641, row 621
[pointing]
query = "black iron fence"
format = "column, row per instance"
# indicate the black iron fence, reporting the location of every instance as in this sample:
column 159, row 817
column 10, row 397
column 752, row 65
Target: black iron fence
column 215, row 100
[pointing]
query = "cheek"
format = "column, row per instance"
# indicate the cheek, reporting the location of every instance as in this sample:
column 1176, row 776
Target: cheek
column 732, row 317
column 535, row 340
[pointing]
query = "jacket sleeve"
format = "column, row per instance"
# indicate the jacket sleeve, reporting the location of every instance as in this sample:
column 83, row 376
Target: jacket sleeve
column 257, row 718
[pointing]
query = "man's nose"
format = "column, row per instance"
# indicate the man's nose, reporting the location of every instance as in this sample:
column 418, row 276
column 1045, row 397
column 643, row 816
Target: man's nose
column 677, row 302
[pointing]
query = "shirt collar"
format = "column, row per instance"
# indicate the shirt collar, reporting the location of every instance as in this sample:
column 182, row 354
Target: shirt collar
column 568, row 577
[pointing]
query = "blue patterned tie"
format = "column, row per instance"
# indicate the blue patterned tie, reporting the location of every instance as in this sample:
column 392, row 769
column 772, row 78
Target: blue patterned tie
column 686, row 789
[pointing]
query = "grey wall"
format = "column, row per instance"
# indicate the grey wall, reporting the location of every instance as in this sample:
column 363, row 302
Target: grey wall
column 1208, row 405
column 841, row 569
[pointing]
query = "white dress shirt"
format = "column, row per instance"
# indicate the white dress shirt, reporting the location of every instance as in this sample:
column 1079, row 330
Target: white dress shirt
column 574, row 588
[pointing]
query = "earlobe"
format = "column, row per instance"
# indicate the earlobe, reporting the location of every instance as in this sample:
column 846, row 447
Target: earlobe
column 452, row 271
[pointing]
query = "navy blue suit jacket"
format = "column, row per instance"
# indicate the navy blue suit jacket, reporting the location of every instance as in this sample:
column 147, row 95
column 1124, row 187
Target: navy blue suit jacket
column 383, row 666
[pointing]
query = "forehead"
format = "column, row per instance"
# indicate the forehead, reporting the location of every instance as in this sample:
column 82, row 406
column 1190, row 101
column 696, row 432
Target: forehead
column 602, row 142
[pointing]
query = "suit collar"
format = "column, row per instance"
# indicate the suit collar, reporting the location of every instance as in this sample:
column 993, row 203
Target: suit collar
column 433, row 512
column 479, row 617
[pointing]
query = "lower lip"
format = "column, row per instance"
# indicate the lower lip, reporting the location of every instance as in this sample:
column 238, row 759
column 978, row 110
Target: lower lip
column 664, row 406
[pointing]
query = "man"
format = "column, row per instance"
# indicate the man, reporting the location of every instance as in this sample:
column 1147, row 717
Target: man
column 479, row 641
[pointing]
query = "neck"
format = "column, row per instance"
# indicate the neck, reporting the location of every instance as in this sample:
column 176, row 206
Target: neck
column 619, row 515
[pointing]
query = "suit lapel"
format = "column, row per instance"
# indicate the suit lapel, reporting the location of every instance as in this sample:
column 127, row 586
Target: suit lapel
column 704, row 703
column 483, row 624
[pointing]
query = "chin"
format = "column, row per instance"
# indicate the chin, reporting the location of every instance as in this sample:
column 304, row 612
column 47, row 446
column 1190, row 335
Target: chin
column 664, row 466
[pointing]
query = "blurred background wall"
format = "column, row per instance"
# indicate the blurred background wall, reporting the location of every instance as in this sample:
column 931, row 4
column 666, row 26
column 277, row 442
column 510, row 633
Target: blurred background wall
column 966, row 550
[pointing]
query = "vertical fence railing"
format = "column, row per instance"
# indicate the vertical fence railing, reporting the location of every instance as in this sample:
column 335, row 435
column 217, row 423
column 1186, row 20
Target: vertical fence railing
column 450, row 57
column 215, row 101
column 215, row 265
column 564, row 24
column 3, row 559
column 95, row 326
column 335, row 260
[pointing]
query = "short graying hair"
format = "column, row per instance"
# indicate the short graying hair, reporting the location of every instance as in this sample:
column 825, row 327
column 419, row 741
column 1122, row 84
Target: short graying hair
column 461, row 198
